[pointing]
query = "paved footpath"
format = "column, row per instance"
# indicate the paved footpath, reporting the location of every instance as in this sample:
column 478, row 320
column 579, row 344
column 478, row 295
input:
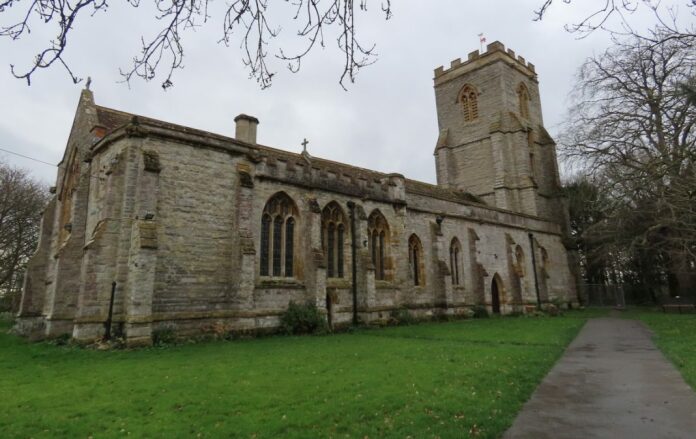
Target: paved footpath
column 612, row 382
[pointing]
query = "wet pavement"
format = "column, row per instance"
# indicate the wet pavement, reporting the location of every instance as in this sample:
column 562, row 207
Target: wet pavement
column 612, row 382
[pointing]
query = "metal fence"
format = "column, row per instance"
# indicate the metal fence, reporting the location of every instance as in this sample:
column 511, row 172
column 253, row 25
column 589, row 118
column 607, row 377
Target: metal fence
column 604, row 295
column 619, row 295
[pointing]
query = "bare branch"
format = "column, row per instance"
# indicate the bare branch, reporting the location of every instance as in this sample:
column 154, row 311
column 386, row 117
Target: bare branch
column 165, row 50
column 632, row 128
column 666, row 18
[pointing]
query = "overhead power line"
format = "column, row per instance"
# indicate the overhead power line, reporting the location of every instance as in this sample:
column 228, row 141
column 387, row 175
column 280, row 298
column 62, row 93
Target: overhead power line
column 27, row 157
column 40, row 161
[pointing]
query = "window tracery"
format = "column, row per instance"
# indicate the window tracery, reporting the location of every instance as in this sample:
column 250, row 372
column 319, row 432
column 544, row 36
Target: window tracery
column 333, row 222
column 378, row 234
column 278, row 237
column 468, row 98
column 415, row 260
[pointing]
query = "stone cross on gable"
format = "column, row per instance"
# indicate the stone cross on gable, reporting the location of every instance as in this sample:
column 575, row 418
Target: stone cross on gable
column 305, row 155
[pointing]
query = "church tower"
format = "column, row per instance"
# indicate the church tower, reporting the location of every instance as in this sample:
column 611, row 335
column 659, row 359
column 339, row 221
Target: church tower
column 492, row 141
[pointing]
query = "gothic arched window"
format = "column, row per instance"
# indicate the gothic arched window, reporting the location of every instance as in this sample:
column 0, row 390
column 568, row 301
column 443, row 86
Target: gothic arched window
column 378, row 233
column 333, row 228
column 519, row 256
column 265, row 243
column 468, row 98
column 455, row 261
column 278, row 237
column 544, row 258
column 523, row 98
column 66, row 196
column 415, row 260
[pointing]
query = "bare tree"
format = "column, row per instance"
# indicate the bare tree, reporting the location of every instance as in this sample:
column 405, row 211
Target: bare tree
column 669, row 24
column 22, row 201
column 634, row 127
column 667, row 18
column 165, row 50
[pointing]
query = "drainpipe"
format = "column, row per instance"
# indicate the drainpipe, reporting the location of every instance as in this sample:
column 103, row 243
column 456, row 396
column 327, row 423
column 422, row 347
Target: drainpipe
column 109, row 317
column 534, row 268
column 353, row 258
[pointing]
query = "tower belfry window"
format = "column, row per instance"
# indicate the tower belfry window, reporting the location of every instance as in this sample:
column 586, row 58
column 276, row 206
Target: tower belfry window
column 468, row 98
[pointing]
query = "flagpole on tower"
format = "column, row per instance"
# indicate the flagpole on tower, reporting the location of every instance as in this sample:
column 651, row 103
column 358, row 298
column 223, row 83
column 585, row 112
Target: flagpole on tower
column 482, row 40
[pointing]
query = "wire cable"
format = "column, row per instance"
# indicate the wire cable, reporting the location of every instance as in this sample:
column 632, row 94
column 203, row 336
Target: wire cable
column 27, row 157
column 98, row 177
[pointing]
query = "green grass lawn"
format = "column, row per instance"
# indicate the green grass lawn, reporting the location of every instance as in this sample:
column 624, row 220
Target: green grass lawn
column 675, row 335
column 449, row 380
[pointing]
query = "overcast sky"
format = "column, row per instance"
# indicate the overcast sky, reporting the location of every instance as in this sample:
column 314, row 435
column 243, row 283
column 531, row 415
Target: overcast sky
column 385, row 121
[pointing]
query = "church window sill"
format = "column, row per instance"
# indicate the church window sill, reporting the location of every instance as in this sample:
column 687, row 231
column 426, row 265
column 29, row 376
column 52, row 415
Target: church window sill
column 337, row 282
column 287, row 283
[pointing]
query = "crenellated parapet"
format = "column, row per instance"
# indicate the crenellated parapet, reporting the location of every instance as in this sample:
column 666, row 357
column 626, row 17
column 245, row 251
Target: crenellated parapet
column 494, row 52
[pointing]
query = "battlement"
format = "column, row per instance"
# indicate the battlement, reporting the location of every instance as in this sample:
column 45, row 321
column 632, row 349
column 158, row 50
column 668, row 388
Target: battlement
column 494, row 51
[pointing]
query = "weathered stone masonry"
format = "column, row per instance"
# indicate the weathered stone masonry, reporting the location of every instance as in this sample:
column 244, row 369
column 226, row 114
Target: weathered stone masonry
column 199, row 230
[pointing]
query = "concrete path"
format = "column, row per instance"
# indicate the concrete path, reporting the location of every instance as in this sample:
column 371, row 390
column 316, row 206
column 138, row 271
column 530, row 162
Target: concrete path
column 612, row 382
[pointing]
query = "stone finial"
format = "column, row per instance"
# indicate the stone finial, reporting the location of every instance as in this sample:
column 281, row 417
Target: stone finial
column 245, row 128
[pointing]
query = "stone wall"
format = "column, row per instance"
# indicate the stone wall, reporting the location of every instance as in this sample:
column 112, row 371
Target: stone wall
column 169, row 218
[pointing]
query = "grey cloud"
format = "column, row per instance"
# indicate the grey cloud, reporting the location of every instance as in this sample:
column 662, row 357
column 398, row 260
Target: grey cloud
column 386, row 121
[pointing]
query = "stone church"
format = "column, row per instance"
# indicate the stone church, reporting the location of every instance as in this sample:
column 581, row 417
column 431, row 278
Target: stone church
column 192, row 230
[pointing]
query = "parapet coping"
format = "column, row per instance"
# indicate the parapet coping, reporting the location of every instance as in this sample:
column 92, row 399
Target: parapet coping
column 119, row 128
column 494, row 51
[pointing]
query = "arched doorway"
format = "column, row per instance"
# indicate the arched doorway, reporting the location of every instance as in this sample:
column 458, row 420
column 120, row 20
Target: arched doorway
column 496, row 291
